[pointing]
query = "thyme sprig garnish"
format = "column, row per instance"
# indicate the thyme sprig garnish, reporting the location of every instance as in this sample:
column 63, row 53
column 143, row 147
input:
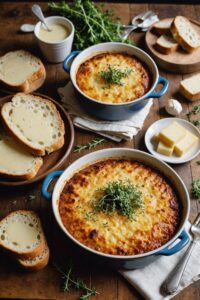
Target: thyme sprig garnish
column 194, row 111
column 114, row 75
column 89, row 145
column 70, row 281
column 198, row 162
column 196, row 188
column 123, row 197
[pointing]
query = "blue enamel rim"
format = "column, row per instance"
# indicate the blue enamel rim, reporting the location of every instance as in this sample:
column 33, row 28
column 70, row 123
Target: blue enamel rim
column 183, row 239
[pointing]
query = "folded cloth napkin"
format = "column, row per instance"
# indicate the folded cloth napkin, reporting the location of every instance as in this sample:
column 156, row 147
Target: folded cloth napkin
column 115, row 130
column 148, row 281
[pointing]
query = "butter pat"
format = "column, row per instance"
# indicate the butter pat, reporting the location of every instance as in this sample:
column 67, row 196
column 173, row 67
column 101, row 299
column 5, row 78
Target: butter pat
column 185, row 143
column 164, row 149
column 172, row 134
column 155, row 138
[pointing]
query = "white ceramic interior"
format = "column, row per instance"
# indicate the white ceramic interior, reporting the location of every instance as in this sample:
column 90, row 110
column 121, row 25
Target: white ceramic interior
column 56, row 52
column 115, row 47
column 166, row 170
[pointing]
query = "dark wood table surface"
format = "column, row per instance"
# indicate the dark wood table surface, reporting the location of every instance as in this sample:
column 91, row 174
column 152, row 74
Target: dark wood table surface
column 46, row 284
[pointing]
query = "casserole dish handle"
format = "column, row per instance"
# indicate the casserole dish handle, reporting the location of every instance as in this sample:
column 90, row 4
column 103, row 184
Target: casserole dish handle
column 165, row 84
column 183, row 241
column 67, row 60
column 47, row 181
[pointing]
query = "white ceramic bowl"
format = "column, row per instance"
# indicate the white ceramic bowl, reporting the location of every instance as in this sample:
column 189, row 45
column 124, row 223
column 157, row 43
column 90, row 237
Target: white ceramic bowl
column 56, row 52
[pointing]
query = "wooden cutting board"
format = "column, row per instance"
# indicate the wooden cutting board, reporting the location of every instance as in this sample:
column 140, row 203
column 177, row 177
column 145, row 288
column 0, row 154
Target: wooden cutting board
column 180, row 61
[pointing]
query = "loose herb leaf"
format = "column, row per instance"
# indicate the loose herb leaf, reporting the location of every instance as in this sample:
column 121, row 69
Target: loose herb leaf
column 196, row 189
column 89, row 145
column 195, row 111
column 113, row 75
column 123, row 197
column 92, row 25
column 70, row 281
column 197, row 122
column 198, row 162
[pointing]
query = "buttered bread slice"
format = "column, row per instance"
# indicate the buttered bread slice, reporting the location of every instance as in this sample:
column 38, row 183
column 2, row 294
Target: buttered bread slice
column 21, row 234
column 21, row 71
column 34, row 122
column 16, row 162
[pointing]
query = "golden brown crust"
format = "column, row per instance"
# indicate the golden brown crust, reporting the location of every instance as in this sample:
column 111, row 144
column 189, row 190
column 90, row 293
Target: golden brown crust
column 114, row 233
column 187, row 94
column 165, row 50
column 134, row 86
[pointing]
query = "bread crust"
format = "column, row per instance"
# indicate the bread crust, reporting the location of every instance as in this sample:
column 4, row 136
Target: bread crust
column 29, row 253
column 33, row 150
column 191, row 97
column 166, row 50
column 30, row 83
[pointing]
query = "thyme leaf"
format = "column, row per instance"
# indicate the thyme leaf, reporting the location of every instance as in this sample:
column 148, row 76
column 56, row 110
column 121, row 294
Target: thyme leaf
column 123, row 197
column 198, row 162
column 196, row 188
column 194, row 111
column 89, row 145
column 113, row 75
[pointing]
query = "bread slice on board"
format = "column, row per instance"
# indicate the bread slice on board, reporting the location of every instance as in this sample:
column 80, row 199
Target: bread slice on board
column 162, row 27
column 166, row 44
column 21, row 234
column 37, row 263
column 34, row 122
column 21, row 71
column 15, row 162
column 190, row 87
column 185, row 34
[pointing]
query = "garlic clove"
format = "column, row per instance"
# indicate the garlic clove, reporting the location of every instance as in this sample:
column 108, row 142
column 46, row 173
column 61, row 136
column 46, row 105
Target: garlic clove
column 173, row 107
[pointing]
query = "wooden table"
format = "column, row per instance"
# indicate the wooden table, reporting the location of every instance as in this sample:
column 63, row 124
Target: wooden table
column 45, row 284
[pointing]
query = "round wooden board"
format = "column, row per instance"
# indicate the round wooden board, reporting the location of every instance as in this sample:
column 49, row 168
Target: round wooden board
column 180, row 61
column 55, row 159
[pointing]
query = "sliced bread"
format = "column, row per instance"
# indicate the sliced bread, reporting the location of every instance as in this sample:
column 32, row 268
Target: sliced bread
column 162, row 27
column 166, row 44
column 37, row 263
column 21, row 234
column 34, row 122
column 16, row 162
column 185, row 34
column 21, row 71
column 190, row 87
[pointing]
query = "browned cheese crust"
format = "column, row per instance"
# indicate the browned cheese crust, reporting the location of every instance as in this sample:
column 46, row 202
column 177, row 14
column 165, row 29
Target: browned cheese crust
column 114, row 233
column 133, row 86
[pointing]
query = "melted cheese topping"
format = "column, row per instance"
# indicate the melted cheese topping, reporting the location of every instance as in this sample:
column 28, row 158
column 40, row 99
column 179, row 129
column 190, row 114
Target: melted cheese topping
column 133, row 86
column 114, row 233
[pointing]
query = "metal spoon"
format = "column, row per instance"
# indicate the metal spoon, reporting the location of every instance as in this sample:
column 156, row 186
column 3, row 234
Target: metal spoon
column 36, row 9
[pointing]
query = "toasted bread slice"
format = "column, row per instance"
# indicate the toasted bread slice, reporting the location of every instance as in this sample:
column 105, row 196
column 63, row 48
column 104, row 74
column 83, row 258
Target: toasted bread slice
column 21, row 71
column 17, row 163
column 34, row 122
column 166, row 44
column 162, row 27
column 190, row 87
column 36, row 263
column 185, row 34
column 21, row 234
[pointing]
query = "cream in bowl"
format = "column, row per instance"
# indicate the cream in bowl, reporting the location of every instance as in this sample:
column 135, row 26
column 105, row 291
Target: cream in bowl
column 58, row 33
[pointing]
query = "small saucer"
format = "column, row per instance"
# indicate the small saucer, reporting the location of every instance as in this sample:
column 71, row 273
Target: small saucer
column 174, row 159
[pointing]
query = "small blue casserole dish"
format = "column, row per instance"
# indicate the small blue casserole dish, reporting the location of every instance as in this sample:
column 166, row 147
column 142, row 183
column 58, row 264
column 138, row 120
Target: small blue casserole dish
column 118, row 111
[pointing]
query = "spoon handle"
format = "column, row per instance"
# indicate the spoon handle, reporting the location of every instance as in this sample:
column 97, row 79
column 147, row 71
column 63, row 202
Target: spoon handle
column 36, row 9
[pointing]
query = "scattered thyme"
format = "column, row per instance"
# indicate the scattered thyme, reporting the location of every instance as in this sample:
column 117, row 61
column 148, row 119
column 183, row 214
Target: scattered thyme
column 89, row 145
column 197, row 122
column 123, row 197
column 31, row 198
column 195, row 111
column 196, row 188
column 70, row 281
column 114, row 75
column 198, row 162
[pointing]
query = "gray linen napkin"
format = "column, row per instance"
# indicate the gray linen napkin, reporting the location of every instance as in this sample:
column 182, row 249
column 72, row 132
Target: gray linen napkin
column 148, row 281
column 114, row 130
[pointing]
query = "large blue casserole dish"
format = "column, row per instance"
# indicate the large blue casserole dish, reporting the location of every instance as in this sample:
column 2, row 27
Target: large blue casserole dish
column 119, row 111
column 178, row 241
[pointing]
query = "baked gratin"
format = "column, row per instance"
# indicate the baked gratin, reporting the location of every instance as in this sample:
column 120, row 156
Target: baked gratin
column 113, row 78
column 153, row 221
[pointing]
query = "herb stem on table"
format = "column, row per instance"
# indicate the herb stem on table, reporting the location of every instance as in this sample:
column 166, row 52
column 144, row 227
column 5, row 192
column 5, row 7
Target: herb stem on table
column 194, row 111
column 89, row 145
column 196, row 189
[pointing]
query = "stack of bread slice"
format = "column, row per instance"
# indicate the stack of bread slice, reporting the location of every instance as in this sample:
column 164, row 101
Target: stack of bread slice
column 175, row 33
column 34, row 128
column 22, row 236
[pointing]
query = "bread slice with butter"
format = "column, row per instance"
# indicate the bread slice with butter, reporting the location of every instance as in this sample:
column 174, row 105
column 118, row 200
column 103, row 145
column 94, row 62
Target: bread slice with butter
column 34, row 122
column 190, row 87
column 21, row 233
column 36, row 263
column 15, row 162
column 21, row 71
column 166, row 44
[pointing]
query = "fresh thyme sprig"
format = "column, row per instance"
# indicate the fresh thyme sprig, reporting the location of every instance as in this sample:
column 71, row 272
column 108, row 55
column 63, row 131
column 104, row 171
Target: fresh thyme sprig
column 196, row 188
column 89, row 145
column 195, row 111
column 123, row 197
column 69, row 281
column 114, row 75
column 198, row 162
